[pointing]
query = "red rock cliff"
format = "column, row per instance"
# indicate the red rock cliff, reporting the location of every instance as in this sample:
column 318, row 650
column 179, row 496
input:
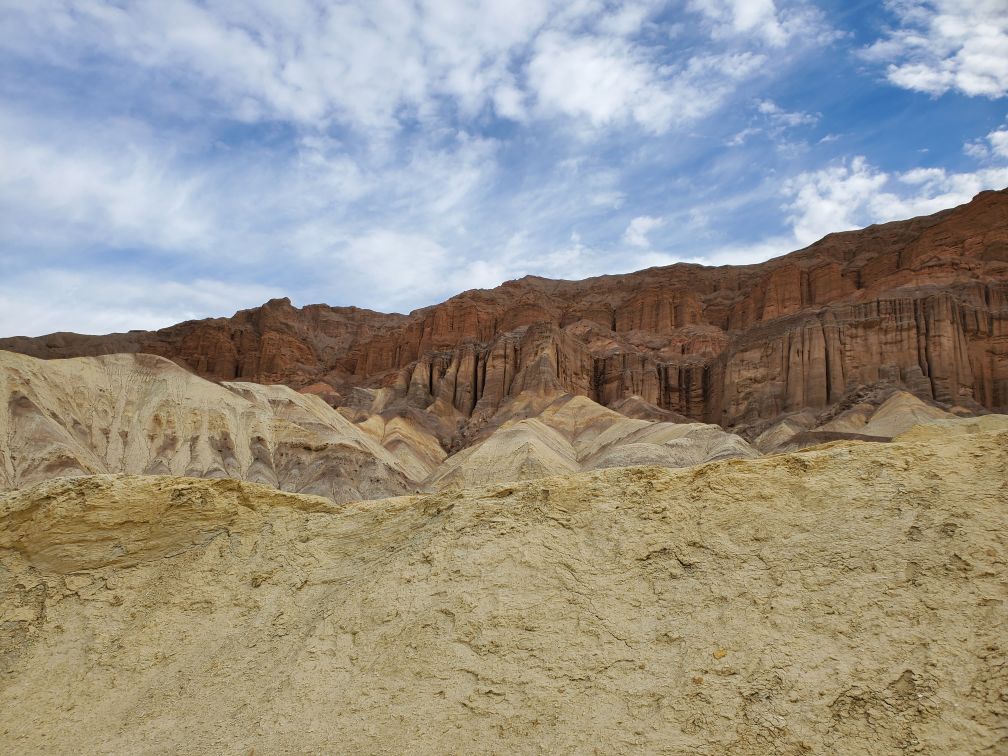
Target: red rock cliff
column 921, row 303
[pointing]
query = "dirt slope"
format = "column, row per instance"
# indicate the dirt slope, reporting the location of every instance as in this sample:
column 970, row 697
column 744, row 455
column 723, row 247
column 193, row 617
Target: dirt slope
column 882, row 415
column 141, row 414
column 848, row 599
column 572, row 434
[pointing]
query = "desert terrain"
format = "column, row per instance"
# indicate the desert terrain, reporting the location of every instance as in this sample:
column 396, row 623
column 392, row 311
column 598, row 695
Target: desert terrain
column 752, row 510
column 848, row 598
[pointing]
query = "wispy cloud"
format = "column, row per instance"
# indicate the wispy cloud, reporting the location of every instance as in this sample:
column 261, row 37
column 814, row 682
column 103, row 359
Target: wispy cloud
column 781, row 118
column 773, row 121
column 98, row 191
column 942, row 45
column 639, row 228
column 373, row 65
column 389, row 154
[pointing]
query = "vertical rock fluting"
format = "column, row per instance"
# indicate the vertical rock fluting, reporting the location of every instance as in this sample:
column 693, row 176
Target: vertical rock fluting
column 920, row 342
column 477, row 377
column 920, row 303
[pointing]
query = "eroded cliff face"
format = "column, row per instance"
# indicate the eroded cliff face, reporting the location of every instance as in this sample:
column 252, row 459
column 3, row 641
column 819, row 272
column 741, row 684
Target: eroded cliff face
column 274, row 343
column 919, row 304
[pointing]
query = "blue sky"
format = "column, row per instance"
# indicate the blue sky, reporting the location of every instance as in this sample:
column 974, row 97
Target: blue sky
column 162, row 160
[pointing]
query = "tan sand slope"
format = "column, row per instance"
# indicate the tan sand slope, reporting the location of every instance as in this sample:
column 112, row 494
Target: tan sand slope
column 880, row 421
column 849, row 599
column 898, row 414
column 416, row 449
column 142, row 414
column 573, row 433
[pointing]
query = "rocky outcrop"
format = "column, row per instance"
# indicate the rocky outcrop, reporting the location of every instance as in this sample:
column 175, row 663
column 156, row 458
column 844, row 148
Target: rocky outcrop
column 142, row 414
column 275, row 343
column 573, row 434
column 846, row 600
column 921, row 305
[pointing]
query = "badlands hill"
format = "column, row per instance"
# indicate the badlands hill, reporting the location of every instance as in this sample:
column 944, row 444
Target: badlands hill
column 919, row 306
column 145, row 415
column 845, row 599
column 142, row 414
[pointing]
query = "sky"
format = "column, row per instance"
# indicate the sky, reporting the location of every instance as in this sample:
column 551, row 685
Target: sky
column 163, row 160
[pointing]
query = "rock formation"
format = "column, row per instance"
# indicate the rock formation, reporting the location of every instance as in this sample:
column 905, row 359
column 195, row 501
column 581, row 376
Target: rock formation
column 920, row 305
column 142, row 414
column 573, row 434
column 848, row 599
column 877, row 415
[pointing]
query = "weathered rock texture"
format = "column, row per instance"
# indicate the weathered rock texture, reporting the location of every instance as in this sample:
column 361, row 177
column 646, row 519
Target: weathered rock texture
column 143, row 414
column 920, row 304
column 848, row 600
column 572, row 434
column 880, row 416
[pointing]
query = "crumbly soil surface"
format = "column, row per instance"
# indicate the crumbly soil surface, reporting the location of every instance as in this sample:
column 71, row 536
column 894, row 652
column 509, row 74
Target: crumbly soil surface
column 845, row 599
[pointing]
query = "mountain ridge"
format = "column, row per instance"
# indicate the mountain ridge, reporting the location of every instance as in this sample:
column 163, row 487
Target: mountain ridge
column 920, row 304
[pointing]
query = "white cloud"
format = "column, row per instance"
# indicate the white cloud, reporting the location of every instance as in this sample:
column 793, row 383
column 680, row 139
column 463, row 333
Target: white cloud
column 783, row 118
column 993, row 146
column 609, row 81
column 922, row 176
column 976, row 149
column 942, row 45
column 509, row 102
column 637, row 232
column 758, row 17
column 740, row 137
column 397, row 266
column 603, row 80
column 846, row 196
column 827, row 200
column 121, row 187
column 855, row 194
column 377, row 65
column 999, row 142
column 305, row 62
column 97, row 193
column 628, row 19
column 49, row 300
column 774, row 121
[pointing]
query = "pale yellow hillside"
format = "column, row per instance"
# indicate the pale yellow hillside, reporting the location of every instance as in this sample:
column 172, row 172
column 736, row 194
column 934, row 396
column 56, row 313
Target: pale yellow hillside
column 843, row 600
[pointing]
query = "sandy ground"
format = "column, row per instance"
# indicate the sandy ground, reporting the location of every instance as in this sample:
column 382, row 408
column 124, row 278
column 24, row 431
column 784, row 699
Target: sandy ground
column 845, row 599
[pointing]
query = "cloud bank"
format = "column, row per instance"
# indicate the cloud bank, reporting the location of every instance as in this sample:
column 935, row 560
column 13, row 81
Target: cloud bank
column 164, row 161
